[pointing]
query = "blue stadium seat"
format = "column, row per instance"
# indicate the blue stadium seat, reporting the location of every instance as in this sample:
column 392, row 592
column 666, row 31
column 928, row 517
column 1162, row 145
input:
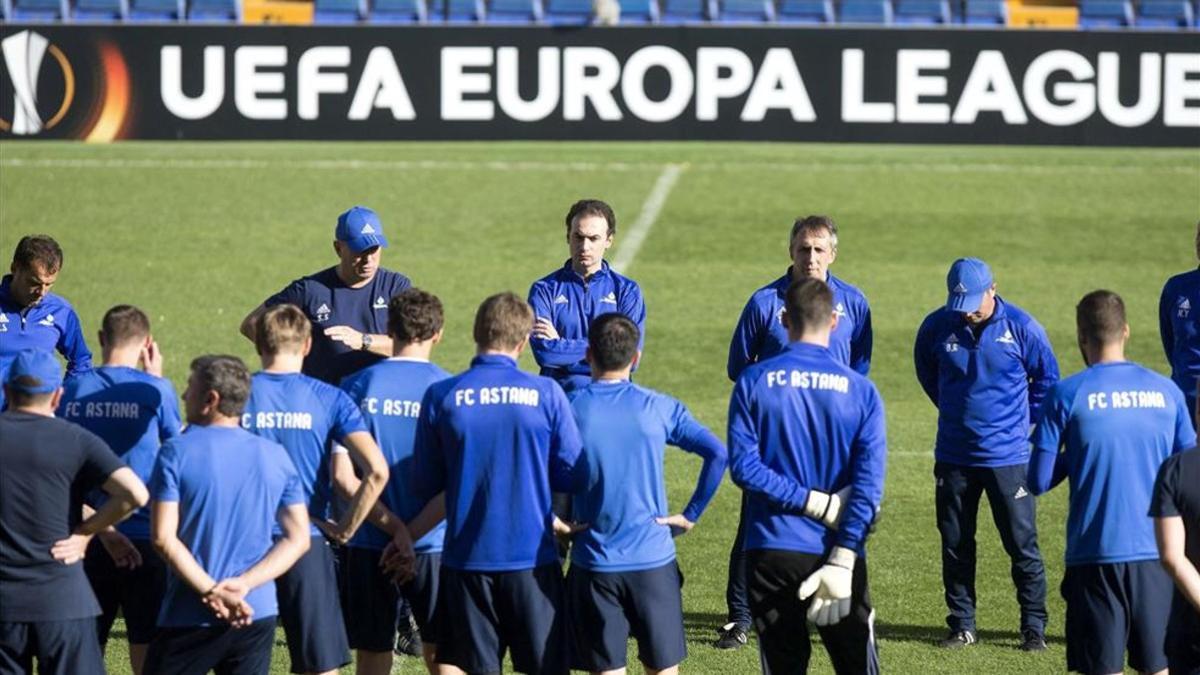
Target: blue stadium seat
column 865, row 11
column 746, row 11
column 339, row 11
column 688, row 11
column 921, row 12
column 5, row 10
column 215, row 11
column 985, row 13
column 514, row 11
column 804, row 11
column 639, row 11
column 1164, row 14
column 456, row 11
column 397, row 11
column 99, row 10
column 568, row 12
column 156, row 11
column 1105, row 13
column 39, row 10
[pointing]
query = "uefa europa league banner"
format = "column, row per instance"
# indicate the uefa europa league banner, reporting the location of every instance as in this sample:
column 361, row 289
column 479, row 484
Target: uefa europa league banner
column 672, row 83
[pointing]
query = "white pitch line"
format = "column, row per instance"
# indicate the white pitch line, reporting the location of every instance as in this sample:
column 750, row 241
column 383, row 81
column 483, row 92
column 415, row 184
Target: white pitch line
column 636, row 236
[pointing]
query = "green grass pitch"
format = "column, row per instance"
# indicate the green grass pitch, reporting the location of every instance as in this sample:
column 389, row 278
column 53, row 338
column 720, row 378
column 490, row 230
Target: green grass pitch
column 198, row 234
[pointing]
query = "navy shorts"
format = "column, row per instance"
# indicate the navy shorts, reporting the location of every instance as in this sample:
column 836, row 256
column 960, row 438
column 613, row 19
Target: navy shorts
column 484, row 614
column 60, row 647
column 222, row 649
column 1113, row 607
column 137, row 593
column 605, row 608
column 372, row 600
column 311, row 613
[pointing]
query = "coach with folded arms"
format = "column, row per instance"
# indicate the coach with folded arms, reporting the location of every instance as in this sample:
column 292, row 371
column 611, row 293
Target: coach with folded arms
column 987, row 365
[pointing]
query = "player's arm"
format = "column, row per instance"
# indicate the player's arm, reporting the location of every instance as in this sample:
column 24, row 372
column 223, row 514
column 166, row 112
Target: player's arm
column 566, row 446
column 1048, row 466
column 347, row 484
column 73, row 347
column 745, row 458
column 689, row 435
column 367, row 457
column 634, row 306
column 1041, row 366
column 293, row 520
column 164, row 534
column 380, row 344
column 862, row 342
column 1166, row 327
column 126, row 493
column 868, row 466
column 925, row 361
column 549, row 348
column 1171, row 537
column 744, row 345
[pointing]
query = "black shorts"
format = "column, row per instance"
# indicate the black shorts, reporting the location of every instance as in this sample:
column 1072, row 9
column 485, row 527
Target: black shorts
column 484, row 614
column 372, row 600
column 311, row 612
column 136, row 593
column 222, row 649
column 605, row 608
column 60, row 647
column 1113, row 607
column 780, row 616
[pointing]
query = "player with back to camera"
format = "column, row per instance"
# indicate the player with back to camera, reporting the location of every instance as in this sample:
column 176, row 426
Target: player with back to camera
column 1179, row 327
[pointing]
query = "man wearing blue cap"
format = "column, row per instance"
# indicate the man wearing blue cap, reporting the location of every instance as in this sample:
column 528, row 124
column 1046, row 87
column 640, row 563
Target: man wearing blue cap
column 31, row 317
column 347, row 304
column 987, row 365
column 1179, row 326
column 47, row 608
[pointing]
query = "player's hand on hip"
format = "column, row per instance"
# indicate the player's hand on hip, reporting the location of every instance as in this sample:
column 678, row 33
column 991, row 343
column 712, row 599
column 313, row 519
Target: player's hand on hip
column 830, row 588
column 122, row 551
column 678, row 523
column 345, row 335
column 70, row 550
column 543, row 328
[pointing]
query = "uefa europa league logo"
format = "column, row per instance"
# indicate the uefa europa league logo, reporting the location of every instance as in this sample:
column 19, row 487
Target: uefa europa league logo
column 23, row 55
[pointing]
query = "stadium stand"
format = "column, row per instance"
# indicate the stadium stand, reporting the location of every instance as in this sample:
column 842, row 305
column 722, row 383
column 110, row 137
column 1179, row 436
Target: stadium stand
column 458, row 11
column 688, row 11
column 215, row 11
column 805, row 11
column 865, row 11
column 1105, row 13
column 39, row 10
column 1165, row 14
column 156, row 11
column 397, row 11
column 339, row 11
column 514, row 11
column 921, row 12
column 746, row 11
column 568, row 12
column 985, row 12
column 639, row 11
column 99, row 10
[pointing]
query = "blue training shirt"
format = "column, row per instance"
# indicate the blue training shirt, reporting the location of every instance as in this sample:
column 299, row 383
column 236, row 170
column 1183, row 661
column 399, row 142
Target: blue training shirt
column 229, row 484
column 1116, row 423
column 51, row 324
column 389, row 395
column 624, row 429
column 803, row 421
column 572, row 304
column 1179, row 325
column 305, row 416
column 760, row 333
column 134, row 413
column 328, row 302
column 497, row 441
column 988, row 389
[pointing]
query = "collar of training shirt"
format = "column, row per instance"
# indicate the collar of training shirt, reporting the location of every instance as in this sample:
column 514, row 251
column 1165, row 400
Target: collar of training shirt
column 572, row 275
column 494, row 360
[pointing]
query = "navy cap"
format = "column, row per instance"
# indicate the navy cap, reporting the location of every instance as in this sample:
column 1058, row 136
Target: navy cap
column 969, row 279
column 39, row 369
column 360, row 229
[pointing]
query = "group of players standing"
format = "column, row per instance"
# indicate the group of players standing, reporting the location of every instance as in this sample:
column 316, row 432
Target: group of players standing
column 440, row 487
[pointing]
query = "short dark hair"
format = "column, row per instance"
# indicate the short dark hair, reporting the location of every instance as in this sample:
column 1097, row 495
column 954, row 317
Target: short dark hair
column 814, row 224
column 124, row 324
column 19, row 398
column 592, row 207
column 414, row 315
column 226, row 375
column 502, row 321
column 1100, row 317
column 39, row 249
column 613, row 339
column 280, row 327
column 809, row 304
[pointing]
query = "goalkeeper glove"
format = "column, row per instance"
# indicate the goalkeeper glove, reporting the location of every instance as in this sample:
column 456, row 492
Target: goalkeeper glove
column 829, row 588
column 826, row 507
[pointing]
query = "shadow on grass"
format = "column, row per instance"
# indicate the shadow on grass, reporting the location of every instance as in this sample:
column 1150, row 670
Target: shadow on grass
column 931, row 634
column 702, row 626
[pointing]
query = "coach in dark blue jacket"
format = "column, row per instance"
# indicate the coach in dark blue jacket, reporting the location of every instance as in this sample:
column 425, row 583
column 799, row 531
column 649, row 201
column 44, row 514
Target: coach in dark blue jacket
column 986, row 364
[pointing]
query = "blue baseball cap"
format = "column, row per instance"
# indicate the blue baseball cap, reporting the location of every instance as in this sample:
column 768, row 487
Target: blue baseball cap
column 360, row 229
column 38, row 369
column 969, row 279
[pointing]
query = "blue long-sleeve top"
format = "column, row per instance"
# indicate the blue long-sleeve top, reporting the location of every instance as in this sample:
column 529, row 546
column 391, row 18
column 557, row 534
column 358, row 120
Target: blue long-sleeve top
column 572, row 303
column 988, row 387
column 49, row 325
column 497, row 441
column 1108, row 429
column 1179, row 326
column 760, row 333
column 803, row 421
column 624, row 429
